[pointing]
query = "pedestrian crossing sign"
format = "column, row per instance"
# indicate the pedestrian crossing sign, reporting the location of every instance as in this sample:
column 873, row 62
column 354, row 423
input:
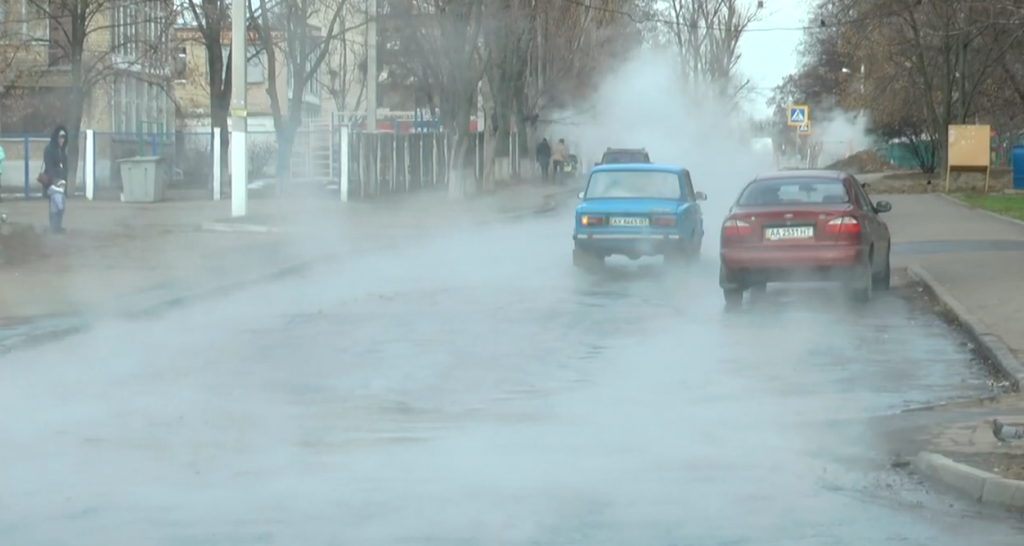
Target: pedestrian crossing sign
column 798, row 115
column 805, row 129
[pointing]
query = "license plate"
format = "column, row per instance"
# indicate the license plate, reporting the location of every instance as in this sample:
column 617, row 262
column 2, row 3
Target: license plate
column 629, row 222
column 783, row 233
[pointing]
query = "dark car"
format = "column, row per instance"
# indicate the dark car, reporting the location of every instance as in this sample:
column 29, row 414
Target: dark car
column 804, row 225
column 615, row 156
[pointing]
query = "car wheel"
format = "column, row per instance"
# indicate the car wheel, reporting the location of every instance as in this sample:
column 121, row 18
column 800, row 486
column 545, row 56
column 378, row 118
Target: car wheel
column 733, row 297
column 884, row 279
column 861, row 287
column 586, row 260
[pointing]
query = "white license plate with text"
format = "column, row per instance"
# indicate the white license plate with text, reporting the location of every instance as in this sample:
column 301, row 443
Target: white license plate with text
column 784, row 233
column 629, row 221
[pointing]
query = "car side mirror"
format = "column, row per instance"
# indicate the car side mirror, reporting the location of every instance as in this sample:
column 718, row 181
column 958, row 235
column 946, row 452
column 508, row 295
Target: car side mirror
column 701, row 196
column 580, row 196
column 883, row 206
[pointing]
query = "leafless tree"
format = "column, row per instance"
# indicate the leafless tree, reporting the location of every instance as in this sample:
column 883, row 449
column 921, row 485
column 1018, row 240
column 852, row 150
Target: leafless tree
column 96, row 39
column 706, row 35
column 295, row 48
column 212, row 21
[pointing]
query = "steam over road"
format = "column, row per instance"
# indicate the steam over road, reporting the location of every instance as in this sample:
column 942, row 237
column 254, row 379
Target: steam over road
column 479, row 390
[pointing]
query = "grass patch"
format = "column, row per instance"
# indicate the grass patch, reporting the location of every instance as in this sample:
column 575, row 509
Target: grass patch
column 1010, row 205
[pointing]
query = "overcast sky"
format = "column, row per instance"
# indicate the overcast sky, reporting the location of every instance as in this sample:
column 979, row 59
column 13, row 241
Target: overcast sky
column 770, row 55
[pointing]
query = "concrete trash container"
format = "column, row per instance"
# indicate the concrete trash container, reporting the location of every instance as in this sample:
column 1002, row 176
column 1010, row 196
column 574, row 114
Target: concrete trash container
column 143, row 179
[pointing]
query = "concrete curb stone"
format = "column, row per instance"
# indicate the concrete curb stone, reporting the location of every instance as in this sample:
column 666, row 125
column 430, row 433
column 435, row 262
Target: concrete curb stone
column 983, row 487
column 990, row 345
column 549, row 204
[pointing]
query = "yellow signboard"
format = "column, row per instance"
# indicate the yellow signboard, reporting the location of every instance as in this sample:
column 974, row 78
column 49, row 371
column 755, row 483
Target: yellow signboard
column 969, row 149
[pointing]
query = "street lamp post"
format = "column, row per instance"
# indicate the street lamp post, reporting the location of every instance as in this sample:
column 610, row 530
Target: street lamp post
column 239, row 171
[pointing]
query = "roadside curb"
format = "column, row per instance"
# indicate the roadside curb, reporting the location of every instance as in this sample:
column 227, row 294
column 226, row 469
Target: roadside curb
column 549, row 203
column 990, row 345
column 983, row 211
column 983, row 487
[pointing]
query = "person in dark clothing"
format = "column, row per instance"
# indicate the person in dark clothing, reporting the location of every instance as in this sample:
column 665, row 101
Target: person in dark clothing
column 544, row 158
column 55, row 171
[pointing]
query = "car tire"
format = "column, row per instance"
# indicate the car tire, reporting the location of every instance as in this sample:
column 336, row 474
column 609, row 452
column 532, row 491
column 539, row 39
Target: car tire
column 861, row 289
column 883, row 281
column 733, row 297
column 586, row 260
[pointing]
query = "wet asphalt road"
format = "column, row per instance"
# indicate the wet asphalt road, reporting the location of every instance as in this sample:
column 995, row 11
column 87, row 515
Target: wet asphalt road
column 479, row 390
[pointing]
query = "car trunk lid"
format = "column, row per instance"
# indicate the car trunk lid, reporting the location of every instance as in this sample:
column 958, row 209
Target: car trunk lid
column 788, row 225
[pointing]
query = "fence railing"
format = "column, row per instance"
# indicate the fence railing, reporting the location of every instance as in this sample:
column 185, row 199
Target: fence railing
column 361, row 165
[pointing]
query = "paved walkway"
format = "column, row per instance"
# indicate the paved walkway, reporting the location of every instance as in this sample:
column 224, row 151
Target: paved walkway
column 977, row 257
column 119, row 252
column 979, row 260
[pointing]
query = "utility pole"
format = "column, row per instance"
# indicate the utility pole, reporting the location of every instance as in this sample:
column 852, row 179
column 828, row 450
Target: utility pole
column 239, row 171
column 371, row 65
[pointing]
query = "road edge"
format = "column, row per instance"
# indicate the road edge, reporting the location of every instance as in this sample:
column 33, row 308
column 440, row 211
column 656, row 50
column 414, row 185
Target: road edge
column 549, row 203
column 983, row 487
column 990, row 345
column 983, row 211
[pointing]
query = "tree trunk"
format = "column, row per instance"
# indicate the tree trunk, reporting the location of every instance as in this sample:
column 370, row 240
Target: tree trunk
column 285, row 144
column 490, row 140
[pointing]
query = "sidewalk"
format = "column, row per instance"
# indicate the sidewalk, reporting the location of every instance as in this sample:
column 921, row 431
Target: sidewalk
column 977, row 258
column 973, row 263
column 116, row 255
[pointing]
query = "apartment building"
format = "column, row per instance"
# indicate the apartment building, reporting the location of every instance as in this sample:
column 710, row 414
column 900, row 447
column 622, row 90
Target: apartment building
column 126, row 55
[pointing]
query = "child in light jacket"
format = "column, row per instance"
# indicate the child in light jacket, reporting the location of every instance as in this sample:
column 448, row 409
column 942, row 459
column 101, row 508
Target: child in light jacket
column 57, row 200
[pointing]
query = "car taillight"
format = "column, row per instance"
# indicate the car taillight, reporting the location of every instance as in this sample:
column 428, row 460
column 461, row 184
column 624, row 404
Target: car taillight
column 846, row 225
column 663, row 221
column 592, row 221
column 736, row 228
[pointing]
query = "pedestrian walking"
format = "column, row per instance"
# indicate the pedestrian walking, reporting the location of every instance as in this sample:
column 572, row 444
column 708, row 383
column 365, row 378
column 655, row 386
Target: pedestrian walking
column 55, row 170
column 544, row 158
column 558, row 157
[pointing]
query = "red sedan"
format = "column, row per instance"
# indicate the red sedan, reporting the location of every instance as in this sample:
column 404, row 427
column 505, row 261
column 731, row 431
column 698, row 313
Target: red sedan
column 804, row 225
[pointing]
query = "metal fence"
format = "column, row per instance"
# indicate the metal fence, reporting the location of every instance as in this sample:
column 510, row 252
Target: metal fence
column 376, row 164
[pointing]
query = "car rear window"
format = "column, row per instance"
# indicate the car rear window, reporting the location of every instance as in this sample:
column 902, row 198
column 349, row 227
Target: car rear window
column 636, row 184
column 624, row 157
column 806, row 191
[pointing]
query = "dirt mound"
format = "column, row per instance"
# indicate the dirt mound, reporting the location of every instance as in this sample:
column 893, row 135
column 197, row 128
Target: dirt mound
column 864, row 161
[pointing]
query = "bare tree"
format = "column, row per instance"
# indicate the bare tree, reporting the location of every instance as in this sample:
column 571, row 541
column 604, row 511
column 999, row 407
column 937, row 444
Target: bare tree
column 97, row 39
column 345, row 66
column 295, row 46
column 706, row 35
column 212, row 20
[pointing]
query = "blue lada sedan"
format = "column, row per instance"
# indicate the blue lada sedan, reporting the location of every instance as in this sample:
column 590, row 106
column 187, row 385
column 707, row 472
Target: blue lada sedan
column 637, row 210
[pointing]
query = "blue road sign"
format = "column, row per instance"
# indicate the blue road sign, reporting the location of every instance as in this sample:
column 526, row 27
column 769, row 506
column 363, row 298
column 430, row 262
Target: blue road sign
column 798, row 115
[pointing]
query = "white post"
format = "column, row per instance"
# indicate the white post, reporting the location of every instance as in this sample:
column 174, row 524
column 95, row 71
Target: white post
column 90, row 164
column 343, row 159
column 216, row 164
column 239, row 184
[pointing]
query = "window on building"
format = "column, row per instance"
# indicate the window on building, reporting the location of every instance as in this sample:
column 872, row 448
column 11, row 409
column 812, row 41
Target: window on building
column 254, row 72
column 125, row 33
column 23, row 20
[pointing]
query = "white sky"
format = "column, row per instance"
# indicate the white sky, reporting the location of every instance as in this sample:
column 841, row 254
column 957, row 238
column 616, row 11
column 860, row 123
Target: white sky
column 769, row 56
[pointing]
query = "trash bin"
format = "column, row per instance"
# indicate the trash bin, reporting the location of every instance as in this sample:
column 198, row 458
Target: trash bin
column 143, row 179
column 1017, row 163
